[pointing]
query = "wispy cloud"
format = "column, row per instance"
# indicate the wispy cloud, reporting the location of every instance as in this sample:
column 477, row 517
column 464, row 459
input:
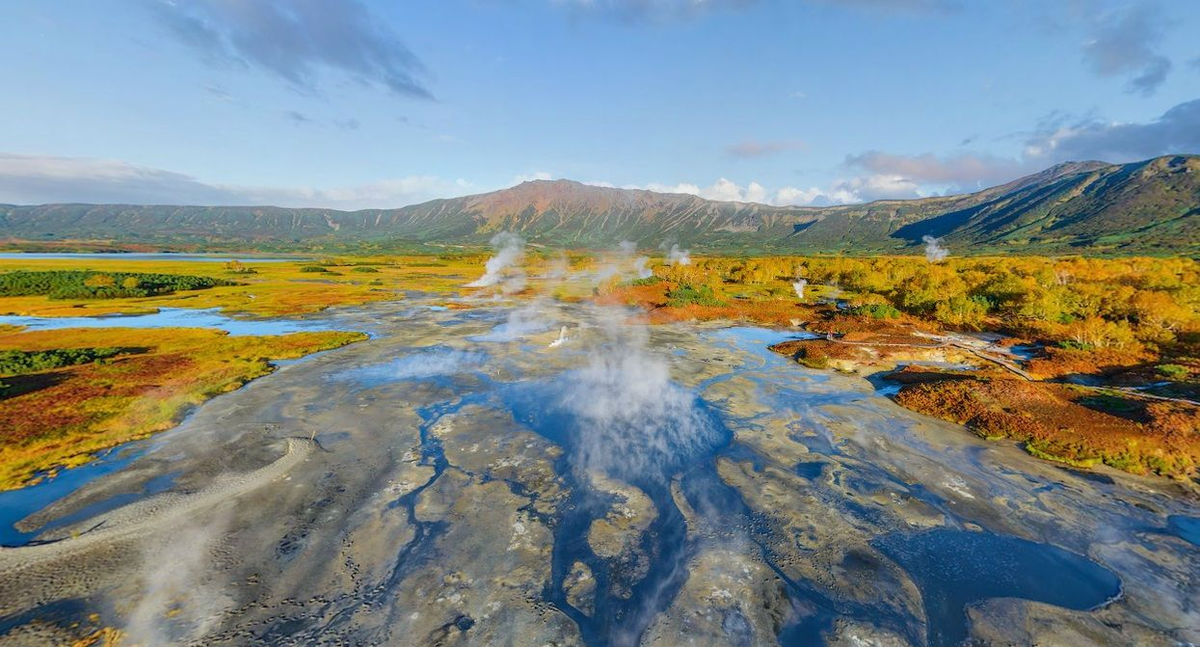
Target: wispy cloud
column 649, row 9
column 965, row 170
column 726, row 190
column 899, row 6
column 1123, row 43
column 298, row 118
column 639, row 10
column 1176, row 131
column 39, row 179
column 751, row 148
column 297, row 41
column 219, row 93
column 535, row 175
column 1056, row 140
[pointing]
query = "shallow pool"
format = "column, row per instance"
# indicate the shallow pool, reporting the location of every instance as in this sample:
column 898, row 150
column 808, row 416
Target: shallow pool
column 171, row 318
column 144, row 256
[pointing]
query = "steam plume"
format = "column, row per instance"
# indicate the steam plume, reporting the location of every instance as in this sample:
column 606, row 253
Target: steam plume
column 934, row 252
column 181, row 599
column 520, row 323
column 562, row 338
column 640, row 265
column 504, row 267
column 633, row 422
column 799, row 286
column 678, row 256
column 434, row 362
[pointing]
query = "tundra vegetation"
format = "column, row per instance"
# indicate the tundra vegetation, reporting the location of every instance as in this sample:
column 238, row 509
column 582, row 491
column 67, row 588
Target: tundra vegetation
column 1108, row 370
column 1111, row 365
column 73, row 287
column 72, row 393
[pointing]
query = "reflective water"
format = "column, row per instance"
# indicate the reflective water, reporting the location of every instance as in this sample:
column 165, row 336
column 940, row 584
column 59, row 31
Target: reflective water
column 15, row 505
column 145, row 256
column 956, row 568
column 892, row 497
column 172, row 318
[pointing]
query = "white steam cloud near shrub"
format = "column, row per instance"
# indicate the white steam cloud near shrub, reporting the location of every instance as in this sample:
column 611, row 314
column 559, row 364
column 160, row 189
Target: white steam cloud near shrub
column 799, row 286
column 641, row 266
column 504, row 267
column 678, row 256
column 934, row 252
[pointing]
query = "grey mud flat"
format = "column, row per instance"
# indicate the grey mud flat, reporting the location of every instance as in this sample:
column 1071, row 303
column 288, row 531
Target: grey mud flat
column 456, row 481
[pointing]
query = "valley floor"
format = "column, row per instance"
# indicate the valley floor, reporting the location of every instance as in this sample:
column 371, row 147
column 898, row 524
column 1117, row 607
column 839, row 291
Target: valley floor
column 552, row 466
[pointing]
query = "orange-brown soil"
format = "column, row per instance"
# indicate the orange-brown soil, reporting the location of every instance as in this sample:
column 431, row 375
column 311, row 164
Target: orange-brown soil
column 1069, row 424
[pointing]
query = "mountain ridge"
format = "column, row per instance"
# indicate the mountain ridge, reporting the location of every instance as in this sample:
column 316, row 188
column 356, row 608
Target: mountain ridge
column 1150, row 206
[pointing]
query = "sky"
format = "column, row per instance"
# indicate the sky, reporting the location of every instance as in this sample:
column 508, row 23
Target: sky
column 354, row 104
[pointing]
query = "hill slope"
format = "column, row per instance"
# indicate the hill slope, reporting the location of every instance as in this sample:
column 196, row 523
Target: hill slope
column 1144, row 207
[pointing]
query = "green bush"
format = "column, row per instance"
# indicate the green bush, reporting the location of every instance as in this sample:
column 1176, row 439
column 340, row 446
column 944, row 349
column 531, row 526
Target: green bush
column 1071, row 344
column 1172, row 371
column 19, row 362
column 685, row 295
column 875, row 311
column 314, row 268
column 363, row 269
column 81, row 284
column 962, row 311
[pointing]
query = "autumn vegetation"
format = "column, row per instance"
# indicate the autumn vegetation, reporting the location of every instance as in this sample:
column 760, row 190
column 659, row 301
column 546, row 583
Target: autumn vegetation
column 1109, row 371
column 72, row 393
column 1113, row 368
column 78, row 287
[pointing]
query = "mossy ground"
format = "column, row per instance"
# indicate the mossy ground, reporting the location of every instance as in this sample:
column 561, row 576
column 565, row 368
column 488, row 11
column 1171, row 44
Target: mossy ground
column 60, row 418
column 271, row 289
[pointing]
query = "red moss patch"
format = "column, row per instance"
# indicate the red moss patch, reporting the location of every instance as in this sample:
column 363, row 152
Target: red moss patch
column 1060, row 423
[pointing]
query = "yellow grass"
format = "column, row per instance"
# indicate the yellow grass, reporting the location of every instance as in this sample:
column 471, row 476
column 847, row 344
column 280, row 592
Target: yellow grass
column 61, row 418
column 274, row 289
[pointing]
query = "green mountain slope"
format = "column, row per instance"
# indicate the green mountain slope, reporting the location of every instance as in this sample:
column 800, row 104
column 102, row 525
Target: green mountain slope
column 1144, row 207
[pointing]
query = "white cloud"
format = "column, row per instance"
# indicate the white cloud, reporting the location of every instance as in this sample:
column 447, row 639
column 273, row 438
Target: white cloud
column 877, row 187
column 967, row 170
column 726, row 190
column 529, row 177
column 790, row 195
column 39, row 179
column 299, row 42
column 751, row 148
column 1124, row 43
column 890, row 175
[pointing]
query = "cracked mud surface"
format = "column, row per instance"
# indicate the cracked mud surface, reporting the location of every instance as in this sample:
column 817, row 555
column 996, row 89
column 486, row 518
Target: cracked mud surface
column 671, row 485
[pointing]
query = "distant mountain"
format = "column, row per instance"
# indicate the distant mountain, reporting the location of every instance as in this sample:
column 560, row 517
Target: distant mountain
column 1144, row 207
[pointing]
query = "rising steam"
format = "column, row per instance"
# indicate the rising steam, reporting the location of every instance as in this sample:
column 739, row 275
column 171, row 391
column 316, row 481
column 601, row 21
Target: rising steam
column 181, row 597
column 678, row 256
column 521, row 322
column 504, row 267
column 934, row 252
column 630, row 419
column 562, row 338
column 641, row 266
column 799, row 286
column 425, row 364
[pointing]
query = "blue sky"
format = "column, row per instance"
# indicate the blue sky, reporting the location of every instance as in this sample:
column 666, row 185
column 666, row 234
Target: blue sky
column 350, row 104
